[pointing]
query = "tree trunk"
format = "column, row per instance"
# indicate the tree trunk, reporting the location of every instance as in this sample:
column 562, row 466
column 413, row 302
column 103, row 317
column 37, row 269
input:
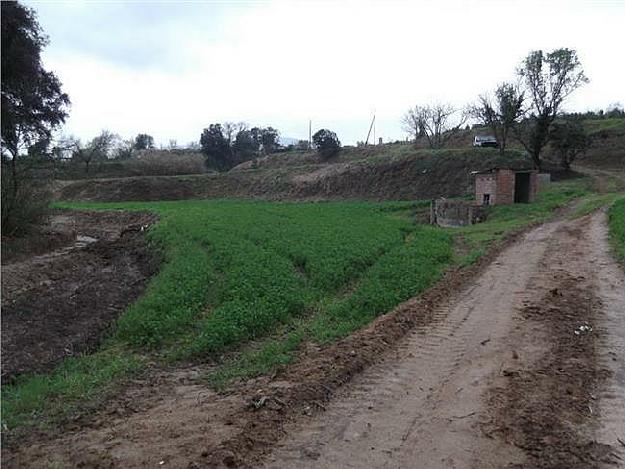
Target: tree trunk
column 536, row 161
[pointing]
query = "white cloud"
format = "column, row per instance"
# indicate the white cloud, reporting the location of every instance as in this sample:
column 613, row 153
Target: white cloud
column 280, row 63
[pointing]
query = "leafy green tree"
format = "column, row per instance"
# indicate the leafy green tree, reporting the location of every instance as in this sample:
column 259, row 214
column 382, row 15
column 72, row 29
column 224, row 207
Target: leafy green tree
column 33, row 105
column 327, row 143
column 244, row 147
column 501, row 114
column 144, row 142
column 568, row 139
column 216, row 148
column 269, row 139
column 549, row 78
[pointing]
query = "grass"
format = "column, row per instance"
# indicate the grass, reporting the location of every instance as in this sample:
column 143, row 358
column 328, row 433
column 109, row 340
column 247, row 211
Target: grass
column 253, row 280
column 617, row 228
column 611, row 124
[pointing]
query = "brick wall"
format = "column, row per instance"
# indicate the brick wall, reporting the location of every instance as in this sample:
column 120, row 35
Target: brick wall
column 485, row 184
column 505, row 186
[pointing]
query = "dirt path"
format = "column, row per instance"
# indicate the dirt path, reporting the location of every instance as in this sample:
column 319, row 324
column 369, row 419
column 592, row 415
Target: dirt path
column 449, row 396
column 493, row 375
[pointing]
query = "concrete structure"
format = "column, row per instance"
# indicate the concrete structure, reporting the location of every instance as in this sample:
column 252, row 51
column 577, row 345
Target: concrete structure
column 499, row 186
column 454, row 213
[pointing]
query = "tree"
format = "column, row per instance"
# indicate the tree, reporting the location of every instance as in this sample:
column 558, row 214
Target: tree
column 104, row 145
column 256, row 132
column 327, row 143
column 124, row 150
column 244, row 146
column 434, row 122
column 100, row 148
column 549, row 78
column 502, row 114
column 269, row 139
column 568, row 140
column 216, row 148
column 144, row 142
column 229, row 131
column 33, row 105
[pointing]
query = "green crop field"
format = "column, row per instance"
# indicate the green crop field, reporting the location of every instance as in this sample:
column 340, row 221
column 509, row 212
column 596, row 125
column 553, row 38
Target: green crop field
column 238, row 271
column 255, row 279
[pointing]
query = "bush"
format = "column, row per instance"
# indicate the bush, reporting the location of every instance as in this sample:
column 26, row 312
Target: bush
column 25, row 198
column 617, row 228
column 143, row 163
column 327, row 143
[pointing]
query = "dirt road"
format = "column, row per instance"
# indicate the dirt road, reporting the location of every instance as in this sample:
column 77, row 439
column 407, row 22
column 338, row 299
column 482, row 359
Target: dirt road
column 501, row 378
column 523, row 366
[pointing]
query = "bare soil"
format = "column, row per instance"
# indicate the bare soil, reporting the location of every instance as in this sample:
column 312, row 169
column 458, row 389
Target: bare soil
column 416, row 176
column 483, row 370
column 60, row 303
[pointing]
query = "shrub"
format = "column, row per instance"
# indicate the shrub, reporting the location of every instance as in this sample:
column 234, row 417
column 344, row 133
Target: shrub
column 25, row 198
column 327, row 143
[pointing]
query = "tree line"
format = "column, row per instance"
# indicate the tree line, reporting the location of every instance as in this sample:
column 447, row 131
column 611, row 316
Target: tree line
column 528, row 110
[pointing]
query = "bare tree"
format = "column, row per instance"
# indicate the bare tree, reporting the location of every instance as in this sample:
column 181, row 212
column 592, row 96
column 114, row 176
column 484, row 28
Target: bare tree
column 501, row 114
column 549, row 78
column 434, row 122
column 124, row 150
column 99, row 149
column 229, row 130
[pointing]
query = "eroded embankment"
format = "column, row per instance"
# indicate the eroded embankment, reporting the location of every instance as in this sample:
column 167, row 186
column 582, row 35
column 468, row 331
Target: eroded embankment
column 408, row 177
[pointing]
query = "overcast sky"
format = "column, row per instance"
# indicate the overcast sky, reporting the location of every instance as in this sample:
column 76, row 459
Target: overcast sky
column 172, row 68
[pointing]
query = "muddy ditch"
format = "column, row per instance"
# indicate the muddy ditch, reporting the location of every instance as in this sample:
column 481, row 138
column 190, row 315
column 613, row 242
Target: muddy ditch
column 60, row 303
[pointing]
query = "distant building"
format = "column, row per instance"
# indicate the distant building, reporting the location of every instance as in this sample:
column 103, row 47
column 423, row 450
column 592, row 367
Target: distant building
column 500, row 186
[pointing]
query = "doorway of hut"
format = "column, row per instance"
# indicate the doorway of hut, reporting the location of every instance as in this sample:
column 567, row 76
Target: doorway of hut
column 521, row 188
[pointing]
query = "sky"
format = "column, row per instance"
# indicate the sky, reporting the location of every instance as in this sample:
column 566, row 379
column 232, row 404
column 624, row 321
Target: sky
column 172, row 68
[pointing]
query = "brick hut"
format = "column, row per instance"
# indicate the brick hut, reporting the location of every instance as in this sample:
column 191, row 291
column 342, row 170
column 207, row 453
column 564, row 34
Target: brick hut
column 499, row 186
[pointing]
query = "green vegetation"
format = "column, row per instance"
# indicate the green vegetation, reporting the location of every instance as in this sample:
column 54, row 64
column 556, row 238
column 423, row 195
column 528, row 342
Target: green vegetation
column 236, row 272
column 597, row 125
column 253, row 280
column 617, row 228
column 77, row 380
column 591, row 203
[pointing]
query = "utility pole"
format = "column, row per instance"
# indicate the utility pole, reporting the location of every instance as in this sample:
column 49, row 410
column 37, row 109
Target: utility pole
column 370, row 128
column 310, row 134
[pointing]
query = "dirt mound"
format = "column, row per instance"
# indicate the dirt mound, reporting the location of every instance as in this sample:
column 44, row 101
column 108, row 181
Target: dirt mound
column 403, row 174
column 60, row 303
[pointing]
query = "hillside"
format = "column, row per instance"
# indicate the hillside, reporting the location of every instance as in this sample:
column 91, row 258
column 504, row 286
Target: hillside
column 388, row 172
column 607, row 150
